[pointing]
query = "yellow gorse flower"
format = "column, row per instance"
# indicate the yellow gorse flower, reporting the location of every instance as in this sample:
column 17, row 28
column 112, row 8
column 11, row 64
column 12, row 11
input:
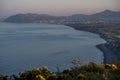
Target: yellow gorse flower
column 113, row 66
column 110, row 66
column 36, row 69
column 45, row 68
column 40, row 77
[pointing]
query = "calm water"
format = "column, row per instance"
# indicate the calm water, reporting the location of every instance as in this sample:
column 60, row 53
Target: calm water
column 25, row 46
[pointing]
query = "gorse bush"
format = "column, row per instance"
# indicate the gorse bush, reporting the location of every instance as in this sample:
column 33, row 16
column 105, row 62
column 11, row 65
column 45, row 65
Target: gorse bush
column 3, row 77
column 90, row 71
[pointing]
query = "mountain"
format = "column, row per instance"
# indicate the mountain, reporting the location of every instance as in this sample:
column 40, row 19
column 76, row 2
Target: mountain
column 29, row 17
column 1, row 19
column 106, row 15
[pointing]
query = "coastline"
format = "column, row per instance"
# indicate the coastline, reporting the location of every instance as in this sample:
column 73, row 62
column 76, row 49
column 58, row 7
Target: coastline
column 109, row 55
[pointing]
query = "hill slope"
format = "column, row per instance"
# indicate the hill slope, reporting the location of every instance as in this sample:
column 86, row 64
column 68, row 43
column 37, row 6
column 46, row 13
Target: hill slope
column 106, row 15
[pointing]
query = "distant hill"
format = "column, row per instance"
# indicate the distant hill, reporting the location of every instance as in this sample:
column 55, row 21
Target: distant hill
column 1, row 19
column 107, row 14
column 27, row 18
column 36, row 18
column 104, row 15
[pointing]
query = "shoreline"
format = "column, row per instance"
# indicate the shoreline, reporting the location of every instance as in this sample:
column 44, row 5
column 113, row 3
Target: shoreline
column 108, row 55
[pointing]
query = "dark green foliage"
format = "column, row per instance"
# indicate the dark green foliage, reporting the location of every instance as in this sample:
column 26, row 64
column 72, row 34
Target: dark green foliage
column 3, row 77
column 90, row 71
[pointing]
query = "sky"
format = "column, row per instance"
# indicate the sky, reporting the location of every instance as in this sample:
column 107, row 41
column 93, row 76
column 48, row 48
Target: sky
column 56, row 7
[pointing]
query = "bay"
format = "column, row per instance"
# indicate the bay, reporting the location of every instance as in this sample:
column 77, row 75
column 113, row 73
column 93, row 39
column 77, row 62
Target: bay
column 25, row 46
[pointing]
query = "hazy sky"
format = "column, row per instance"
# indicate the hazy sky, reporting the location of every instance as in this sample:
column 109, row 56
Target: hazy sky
column 56, row 7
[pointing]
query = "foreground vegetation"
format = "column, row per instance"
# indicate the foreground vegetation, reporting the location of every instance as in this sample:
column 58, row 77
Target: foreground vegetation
column 90, row 71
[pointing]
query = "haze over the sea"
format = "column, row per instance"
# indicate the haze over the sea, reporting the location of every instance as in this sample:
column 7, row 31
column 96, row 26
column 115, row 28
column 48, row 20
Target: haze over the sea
column 56, row 7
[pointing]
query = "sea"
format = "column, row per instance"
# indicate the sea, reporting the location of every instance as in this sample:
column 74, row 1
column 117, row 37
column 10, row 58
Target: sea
column 24, row 46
